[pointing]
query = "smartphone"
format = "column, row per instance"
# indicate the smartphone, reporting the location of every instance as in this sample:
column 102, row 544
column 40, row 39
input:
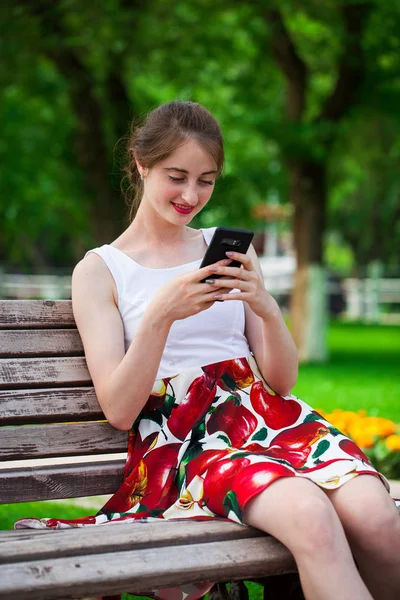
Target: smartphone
column 226, row 239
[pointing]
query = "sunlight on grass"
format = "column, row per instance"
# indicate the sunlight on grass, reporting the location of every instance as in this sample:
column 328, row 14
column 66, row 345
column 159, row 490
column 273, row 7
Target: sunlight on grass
column 363, row 371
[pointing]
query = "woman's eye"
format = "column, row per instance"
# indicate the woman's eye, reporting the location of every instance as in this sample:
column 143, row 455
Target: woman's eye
column 206, row 182
column 176, row 179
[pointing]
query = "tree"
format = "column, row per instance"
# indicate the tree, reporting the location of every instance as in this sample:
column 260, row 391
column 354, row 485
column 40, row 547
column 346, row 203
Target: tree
column 86, row 43
column 364, row 206
column 311, row 123
column 307, row 163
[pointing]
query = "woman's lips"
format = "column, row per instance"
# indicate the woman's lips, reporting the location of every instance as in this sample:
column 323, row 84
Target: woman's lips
column 182, row 209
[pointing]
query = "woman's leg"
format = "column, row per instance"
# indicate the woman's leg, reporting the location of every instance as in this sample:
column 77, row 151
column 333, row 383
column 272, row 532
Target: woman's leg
column 301, row 516
column 372, row 525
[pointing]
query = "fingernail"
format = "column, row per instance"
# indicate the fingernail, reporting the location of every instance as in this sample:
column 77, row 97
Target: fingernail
column 213, row 269
column 218, row 296
column 229, row 253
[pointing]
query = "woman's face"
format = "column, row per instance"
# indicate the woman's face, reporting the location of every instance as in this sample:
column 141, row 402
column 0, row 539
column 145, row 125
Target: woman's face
column 179, row 186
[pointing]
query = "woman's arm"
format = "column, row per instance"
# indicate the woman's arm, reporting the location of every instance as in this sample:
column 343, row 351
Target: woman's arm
column 269, row 338
column 123, row 381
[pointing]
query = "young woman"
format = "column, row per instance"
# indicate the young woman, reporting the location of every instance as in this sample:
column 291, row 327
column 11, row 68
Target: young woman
column 204, row 386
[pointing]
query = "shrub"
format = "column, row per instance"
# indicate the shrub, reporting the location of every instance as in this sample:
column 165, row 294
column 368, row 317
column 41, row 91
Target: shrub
column 378, row 437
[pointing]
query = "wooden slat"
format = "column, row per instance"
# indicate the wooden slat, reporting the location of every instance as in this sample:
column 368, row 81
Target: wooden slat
column 45, row 441
column 25, row 372
column 40, row 342
column 36, row 314
column 18, row 407
column 134, row 570
column 55, row 482
column 17, row 546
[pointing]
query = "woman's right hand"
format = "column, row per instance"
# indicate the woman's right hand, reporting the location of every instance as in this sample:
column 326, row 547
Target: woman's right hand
column 187, row 294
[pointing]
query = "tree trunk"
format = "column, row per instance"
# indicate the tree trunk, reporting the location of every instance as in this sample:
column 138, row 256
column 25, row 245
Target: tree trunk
column 309, row 298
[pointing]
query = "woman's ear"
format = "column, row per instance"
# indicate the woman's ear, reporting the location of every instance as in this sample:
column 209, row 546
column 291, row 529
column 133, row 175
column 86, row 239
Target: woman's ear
column 142, row 170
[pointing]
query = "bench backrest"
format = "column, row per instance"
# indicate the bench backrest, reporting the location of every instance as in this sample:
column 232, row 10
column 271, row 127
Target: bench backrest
column 49, row 410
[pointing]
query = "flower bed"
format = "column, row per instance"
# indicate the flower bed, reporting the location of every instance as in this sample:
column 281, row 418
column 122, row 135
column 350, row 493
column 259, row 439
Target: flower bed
column 378, row 437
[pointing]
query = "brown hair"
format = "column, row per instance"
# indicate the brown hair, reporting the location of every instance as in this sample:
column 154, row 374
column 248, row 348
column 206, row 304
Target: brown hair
column 165, row 129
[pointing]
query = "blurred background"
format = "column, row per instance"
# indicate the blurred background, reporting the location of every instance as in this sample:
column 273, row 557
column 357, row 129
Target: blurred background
column 308, row 97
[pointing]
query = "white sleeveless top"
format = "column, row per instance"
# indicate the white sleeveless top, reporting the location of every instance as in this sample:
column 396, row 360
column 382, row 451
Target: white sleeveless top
column 212, row 335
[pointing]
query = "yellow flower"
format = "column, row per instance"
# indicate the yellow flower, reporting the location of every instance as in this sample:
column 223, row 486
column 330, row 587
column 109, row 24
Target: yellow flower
column 364, row 430
column 393, row 442
column 363, row 439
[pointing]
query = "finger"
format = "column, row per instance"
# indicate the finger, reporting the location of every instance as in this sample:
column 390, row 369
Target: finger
column 229, row 272
column 243, row 258
column 232, row 284
column 231, row 296
column 212, row 290
column 210, row 270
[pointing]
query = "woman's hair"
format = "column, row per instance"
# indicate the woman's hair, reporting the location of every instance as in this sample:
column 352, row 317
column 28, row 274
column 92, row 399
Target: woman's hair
column 164, row 130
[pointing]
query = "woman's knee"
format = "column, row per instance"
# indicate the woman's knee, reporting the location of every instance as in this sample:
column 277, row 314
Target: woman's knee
column 298, row 513
column 316, row 523
column 377, row 531
column 371, row 520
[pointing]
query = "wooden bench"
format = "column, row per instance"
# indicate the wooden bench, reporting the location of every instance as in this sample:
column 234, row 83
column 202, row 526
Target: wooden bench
column 49, row 410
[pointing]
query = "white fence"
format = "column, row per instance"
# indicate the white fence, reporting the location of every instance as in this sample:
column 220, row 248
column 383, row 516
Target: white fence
column 370, row 300
column 51, row 287
column 373, row 300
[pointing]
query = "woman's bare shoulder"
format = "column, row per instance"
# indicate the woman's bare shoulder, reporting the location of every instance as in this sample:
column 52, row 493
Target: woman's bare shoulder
column 92, row 274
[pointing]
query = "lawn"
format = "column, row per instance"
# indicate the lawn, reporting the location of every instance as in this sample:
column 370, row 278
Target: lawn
column 363, row 371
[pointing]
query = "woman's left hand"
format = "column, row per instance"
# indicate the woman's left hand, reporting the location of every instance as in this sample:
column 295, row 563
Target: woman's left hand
column 247, row 285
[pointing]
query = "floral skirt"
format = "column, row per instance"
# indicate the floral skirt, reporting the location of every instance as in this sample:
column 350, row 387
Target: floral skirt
column 209, row 440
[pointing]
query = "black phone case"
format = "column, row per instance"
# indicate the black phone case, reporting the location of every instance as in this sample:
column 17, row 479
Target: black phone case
column 224, row 240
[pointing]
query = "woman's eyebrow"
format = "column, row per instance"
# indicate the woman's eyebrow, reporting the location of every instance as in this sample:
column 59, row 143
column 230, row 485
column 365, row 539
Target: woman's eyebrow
column 184, row 170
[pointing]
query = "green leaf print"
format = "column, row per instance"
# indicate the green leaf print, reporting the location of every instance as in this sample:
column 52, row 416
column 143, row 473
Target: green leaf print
column 260, row 435
column 240, row 454
column 225, row 439
column 231, row 503
column 321, row 448
column 228, row 381
column 198, row 432
column 181, row 475
column 334, row 431
column 312, row 417
column 192, row 451
column 166, row 408
column 156, row 416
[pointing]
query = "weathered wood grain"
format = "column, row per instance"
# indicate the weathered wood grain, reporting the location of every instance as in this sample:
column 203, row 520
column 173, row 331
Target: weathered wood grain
column 45, row 441
column 119, row 537
column 40, row 342
column 54, row 482
column 134, row 570
column 48, row 405
column 24, row 372
column 36, row 314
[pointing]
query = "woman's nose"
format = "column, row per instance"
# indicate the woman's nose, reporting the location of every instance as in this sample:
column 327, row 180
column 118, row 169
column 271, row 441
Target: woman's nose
column 189, row 195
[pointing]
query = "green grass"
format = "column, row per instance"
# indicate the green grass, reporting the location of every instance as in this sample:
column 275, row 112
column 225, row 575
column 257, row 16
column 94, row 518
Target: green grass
column 9, row 513
column 363, row 371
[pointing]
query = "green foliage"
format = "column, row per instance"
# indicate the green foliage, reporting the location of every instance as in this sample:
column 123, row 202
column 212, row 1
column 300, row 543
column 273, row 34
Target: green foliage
column 384, row 460
column 74, row 74
column 365, row 194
